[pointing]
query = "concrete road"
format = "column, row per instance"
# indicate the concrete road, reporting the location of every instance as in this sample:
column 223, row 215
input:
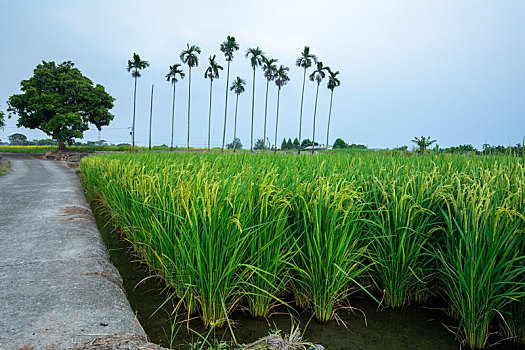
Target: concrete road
column 57, row 286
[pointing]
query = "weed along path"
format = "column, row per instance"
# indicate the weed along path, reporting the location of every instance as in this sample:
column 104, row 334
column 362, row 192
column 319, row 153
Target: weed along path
column 57, row 286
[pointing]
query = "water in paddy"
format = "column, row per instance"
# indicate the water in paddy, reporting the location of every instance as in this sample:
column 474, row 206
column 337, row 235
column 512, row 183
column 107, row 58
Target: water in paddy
column 413, row 328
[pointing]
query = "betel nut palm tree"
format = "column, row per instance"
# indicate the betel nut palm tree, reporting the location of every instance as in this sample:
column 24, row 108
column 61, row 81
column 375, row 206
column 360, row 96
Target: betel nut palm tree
column 134, row 66
column 212, row 72
column 317, row 76
column 175, row 71
column 228, row 47
column 255, row 55
column 189, row 56
column 281, row 78
column 304, row 61
column 269, row 69
column 333, row 82
column 238, row 87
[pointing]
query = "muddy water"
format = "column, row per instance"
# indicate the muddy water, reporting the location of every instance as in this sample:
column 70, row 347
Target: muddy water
column 417, row 327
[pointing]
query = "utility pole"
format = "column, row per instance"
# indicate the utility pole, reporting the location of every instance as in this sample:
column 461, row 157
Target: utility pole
column 150, row 115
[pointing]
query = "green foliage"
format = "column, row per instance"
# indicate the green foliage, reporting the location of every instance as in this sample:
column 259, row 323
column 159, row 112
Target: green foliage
column 296, row 144
column 423, row 143
column 212, row 72
column 460, row 149
column 228, row 47
column 255, row 55
column 136, row 64
column 340, row 144
column 2, row 120
column 174, row 72
column 281, row 76
column 238, row 85
column 17, row 139
column 189, row 56
column 236, row 142
column 259, row 144
column 308, row 143
column 61, row 102
column 319, row 73
column 333, row 81
column 306, row 58
column 322, row 227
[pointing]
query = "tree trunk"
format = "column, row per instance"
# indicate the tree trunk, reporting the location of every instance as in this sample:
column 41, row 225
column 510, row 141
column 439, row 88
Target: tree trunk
column 61, row 146
column 277, row 119
column 265, row 112
column 225, row 107
column 329, row 116
column 235, row 124
column 150, row 115
column 209, row 116
column 301, row 115
column 189, row 103
column 315, row 112
column 253, row 106
column 134, row 105
column 172, row 116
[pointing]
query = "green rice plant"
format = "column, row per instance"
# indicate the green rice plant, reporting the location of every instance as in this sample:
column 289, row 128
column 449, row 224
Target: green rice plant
column 270, row 250
column 331, row 245
column 481, row 260
column 512, row 324
column 402, row 219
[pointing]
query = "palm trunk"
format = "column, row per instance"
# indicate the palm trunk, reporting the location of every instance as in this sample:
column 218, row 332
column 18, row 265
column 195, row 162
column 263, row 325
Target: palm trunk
column 189, row 104
column 209, row 116
column 265, row 112
column 301, row 115
column 253, row 106
column 235, row 124
column 315, row 112
column 150, row 115
column 133, row 126
column 172, row 116
column 277, row 120
column 225, row 107
column 329, row 116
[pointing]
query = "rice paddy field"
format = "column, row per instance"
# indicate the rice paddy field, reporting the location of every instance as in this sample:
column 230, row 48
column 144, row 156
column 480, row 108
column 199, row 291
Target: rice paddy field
column 257, row 232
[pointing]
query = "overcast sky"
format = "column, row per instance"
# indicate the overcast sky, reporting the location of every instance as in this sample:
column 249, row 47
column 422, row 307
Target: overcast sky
column 452, row 70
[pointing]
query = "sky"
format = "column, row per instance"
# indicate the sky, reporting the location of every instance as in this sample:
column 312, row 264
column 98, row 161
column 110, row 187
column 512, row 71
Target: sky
column 451, row 70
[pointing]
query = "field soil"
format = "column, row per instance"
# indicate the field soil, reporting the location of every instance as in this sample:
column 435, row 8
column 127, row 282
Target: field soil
column 59, row 290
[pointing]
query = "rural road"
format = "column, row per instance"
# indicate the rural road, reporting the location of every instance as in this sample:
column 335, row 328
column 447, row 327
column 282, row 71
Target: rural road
column 57, row 286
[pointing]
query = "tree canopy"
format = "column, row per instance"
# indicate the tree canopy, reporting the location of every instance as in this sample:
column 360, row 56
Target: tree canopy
column 236, row 142
column 61, row 102
column 2, row 120
column 18, row 139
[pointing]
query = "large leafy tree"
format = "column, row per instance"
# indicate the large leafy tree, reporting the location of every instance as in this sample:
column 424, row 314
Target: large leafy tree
column 189, row 56
column 317, row 76
column 255, row 55
column 228, row 47
column 423, row 143
column 134, row 66
column 17, row 139
column 2, row 120
column 333, row 82
column 61, row 102
column 304, row 61
column 172, row 77
column 238, row 88
column 281, row 78
column 269, row 69
column 212, row 72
